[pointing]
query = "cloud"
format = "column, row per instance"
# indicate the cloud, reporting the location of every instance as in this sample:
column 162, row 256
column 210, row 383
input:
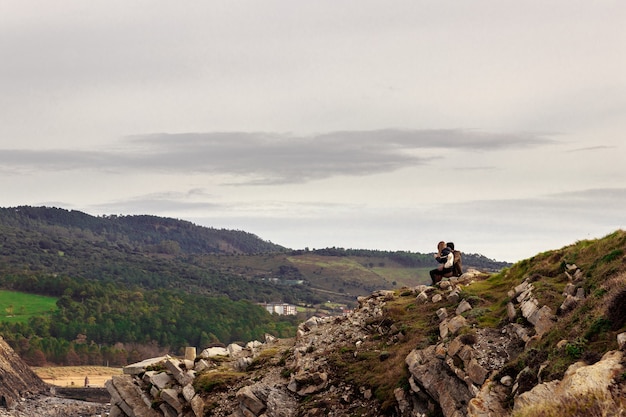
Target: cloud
column 273, row 158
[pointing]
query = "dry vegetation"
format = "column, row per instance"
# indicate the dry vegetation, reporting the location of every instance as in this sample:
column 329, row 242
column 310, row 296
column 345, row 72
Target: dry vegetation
column 74, row 376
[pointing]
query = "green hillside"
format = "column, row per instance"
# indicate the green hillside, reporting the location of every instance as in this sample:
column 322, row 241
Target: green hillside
column 20, row 307
column 131, row 286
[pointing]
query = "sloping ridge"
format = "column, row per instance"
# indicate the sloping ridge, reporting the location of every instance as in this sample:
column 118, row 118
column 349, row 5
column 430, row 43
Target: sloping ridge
column 17, row 380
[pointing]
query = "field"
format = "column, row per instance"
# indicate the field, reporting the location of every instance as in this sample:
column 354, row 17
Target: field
column 74, row 376
column 19, row 307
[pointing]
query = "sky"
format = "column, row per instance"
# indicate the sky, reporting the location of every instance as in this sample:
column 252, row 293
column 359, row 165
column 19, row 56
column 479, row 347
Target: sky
column 365, row 124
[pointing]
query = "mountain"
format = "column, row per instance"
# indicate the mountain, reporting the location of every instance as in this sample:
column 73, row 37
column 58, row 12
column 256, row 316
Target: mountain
column 129, row 286
column 545, row 337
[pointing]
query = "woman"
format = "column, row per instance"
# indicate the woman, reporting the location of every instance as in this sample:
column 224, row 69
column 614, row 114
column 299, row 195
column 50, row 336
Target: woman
column 445, row 257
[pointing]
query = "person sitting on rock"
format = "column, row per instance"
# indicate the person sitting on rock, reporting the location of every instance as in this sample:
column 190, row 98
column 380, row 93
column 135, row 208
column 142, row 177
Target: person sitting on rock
column 445, row 257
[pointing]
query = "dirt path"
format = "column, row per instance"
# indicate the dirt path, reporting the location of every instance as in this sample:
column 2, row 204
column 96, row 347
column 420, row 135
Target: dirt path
column 74, row 376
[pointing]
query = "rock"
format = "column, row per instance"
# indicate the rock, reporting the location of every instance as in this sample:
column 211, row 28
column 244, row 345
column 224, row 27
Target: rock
column 139, row 367
column 621, row 340
column 463, row 307
column 213, row 352
column 248, row 400
column 190, row 353
column 511, row 312
column 444, row 285
column 476, row 373
column 128, row 397
column 568, row 304
column 161, row 380
column 489, row 401
column 506, row 380
column 233, row 349
column 456, row 324
column 453, row 297
column 437, row 298
column 280, row 404
column 570, row 289
column 431, row 375
column 170, row 396
column 579, row 379
column 441, row 313
column 421, row 298
column 542, row 319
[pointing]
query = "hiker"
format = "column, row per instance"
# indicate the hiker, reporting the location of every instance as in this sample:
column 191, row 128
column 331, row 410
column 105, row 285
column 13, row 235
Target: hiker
column 445, row 257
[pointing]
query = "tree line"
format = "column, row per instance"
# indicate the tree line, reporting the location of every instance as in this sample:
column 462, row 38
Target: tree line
column 99, row 323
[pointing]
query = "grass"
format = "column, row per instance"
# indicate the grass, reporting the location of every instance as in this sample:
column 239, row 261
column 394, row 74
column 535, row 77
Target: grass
column 18, row 307
column 590, row 404
column 216, row 381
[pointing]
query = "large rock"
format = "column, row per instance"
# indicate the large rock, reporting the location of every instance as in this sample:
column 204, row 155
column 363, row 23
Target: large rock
column 432, row 376
column 580, row 379
column 17, row 380
column 129, row 398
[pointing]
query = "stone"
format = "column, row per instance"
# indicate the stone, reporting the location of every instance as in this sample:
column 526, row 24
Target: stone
column 213, row 352
column 444, row 285
column 453, row 297
column 248, row 400
column 489, row 401
column 456, row 324
column 543, row 320
column 233, row 349
column 190, row 353
column 202, row 365
column 476, row 372
column 139, row 367
column 463, row 307
column 455, row 346
column 506, row 380
column 128, row 397
column 580, row 293
column 188, row 392
column 578, row 275
column 421, row 298
column 170, row 396
column 443, row 329
column 197, row 406
column 441, row 313
column 161, row 380
column 579, row 379
column 511, row 312
column 568, row 304
column 570, row 289
column 280, row 404
column 437, row 298
column 621, row 340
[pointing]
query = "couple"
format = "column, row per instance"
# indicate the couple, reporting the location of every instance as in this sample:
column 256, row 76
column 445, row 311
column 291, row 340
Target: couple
column 445, row 257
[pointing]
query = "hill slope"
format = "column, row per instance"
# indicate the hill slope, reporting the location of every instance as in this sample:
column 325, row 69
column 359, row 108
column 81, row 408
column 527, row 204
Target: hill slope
column 542, row 338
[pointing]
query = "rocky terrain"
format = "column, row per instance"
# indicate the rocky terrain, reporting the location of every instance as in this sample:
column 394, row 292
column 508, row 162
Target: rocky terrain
column 465, row 371
column 543, row 338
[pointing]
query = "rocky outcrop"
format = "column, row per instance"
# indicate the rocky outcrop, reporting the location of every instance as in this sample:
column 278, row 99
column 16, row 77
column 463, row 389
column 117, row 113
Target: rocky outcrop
column 17, row 380
column 461, row 373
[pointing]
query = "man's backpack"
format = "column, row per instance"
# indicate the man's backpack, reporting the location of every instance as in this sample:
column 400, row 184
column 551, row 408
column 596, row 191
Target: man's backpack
column 457, row 267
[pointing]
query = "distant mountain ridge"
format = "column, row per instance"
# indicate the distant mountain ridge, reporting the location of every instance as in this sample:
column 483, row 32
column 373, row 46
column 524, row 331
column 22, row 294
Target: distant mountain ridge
column 139, row 230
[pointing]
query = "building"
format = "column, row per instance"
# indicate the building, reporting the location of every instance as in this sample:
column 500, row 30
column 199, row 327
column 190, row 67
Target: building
column 282, row 309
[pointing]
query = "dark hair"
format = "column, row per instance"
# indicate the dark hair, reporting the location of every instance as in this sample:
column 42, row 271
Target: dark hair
column 450, row 245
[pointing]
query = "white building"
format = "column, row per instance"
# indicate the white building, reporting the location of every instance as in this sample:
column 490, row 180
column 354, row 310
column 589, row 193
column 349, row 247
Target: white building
column 282, row 309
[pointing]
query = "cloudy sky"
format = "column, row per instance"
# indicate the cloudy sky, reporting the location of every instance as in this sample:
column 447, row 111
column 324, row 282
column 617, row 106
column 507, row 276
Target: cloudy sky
column 351, row 123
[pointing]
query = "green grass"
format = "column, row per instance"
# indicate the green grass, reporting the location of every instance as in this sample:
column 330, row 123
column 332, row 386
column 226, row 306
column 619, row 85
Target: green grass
column 18, row 307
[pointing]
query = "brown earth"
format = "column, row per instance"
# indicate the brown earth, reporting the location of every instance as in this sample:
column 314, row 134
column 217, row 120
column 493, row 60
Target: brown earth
column 74, row 376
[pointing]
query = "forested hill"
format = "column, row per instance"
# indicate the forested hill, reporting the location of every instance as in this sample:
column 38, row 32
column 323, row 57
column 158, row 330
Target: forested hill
column 142, row 233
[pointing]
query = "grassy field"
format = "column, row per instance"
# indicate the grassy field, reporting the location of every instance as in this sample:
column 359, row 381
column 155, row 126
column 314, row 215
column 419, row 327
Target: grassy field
column 19, row 307
column 74, row 376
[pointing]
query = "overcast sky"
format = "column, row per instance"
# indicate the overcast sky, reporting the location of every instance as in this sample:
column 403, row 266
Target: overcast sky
column 359, row 124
